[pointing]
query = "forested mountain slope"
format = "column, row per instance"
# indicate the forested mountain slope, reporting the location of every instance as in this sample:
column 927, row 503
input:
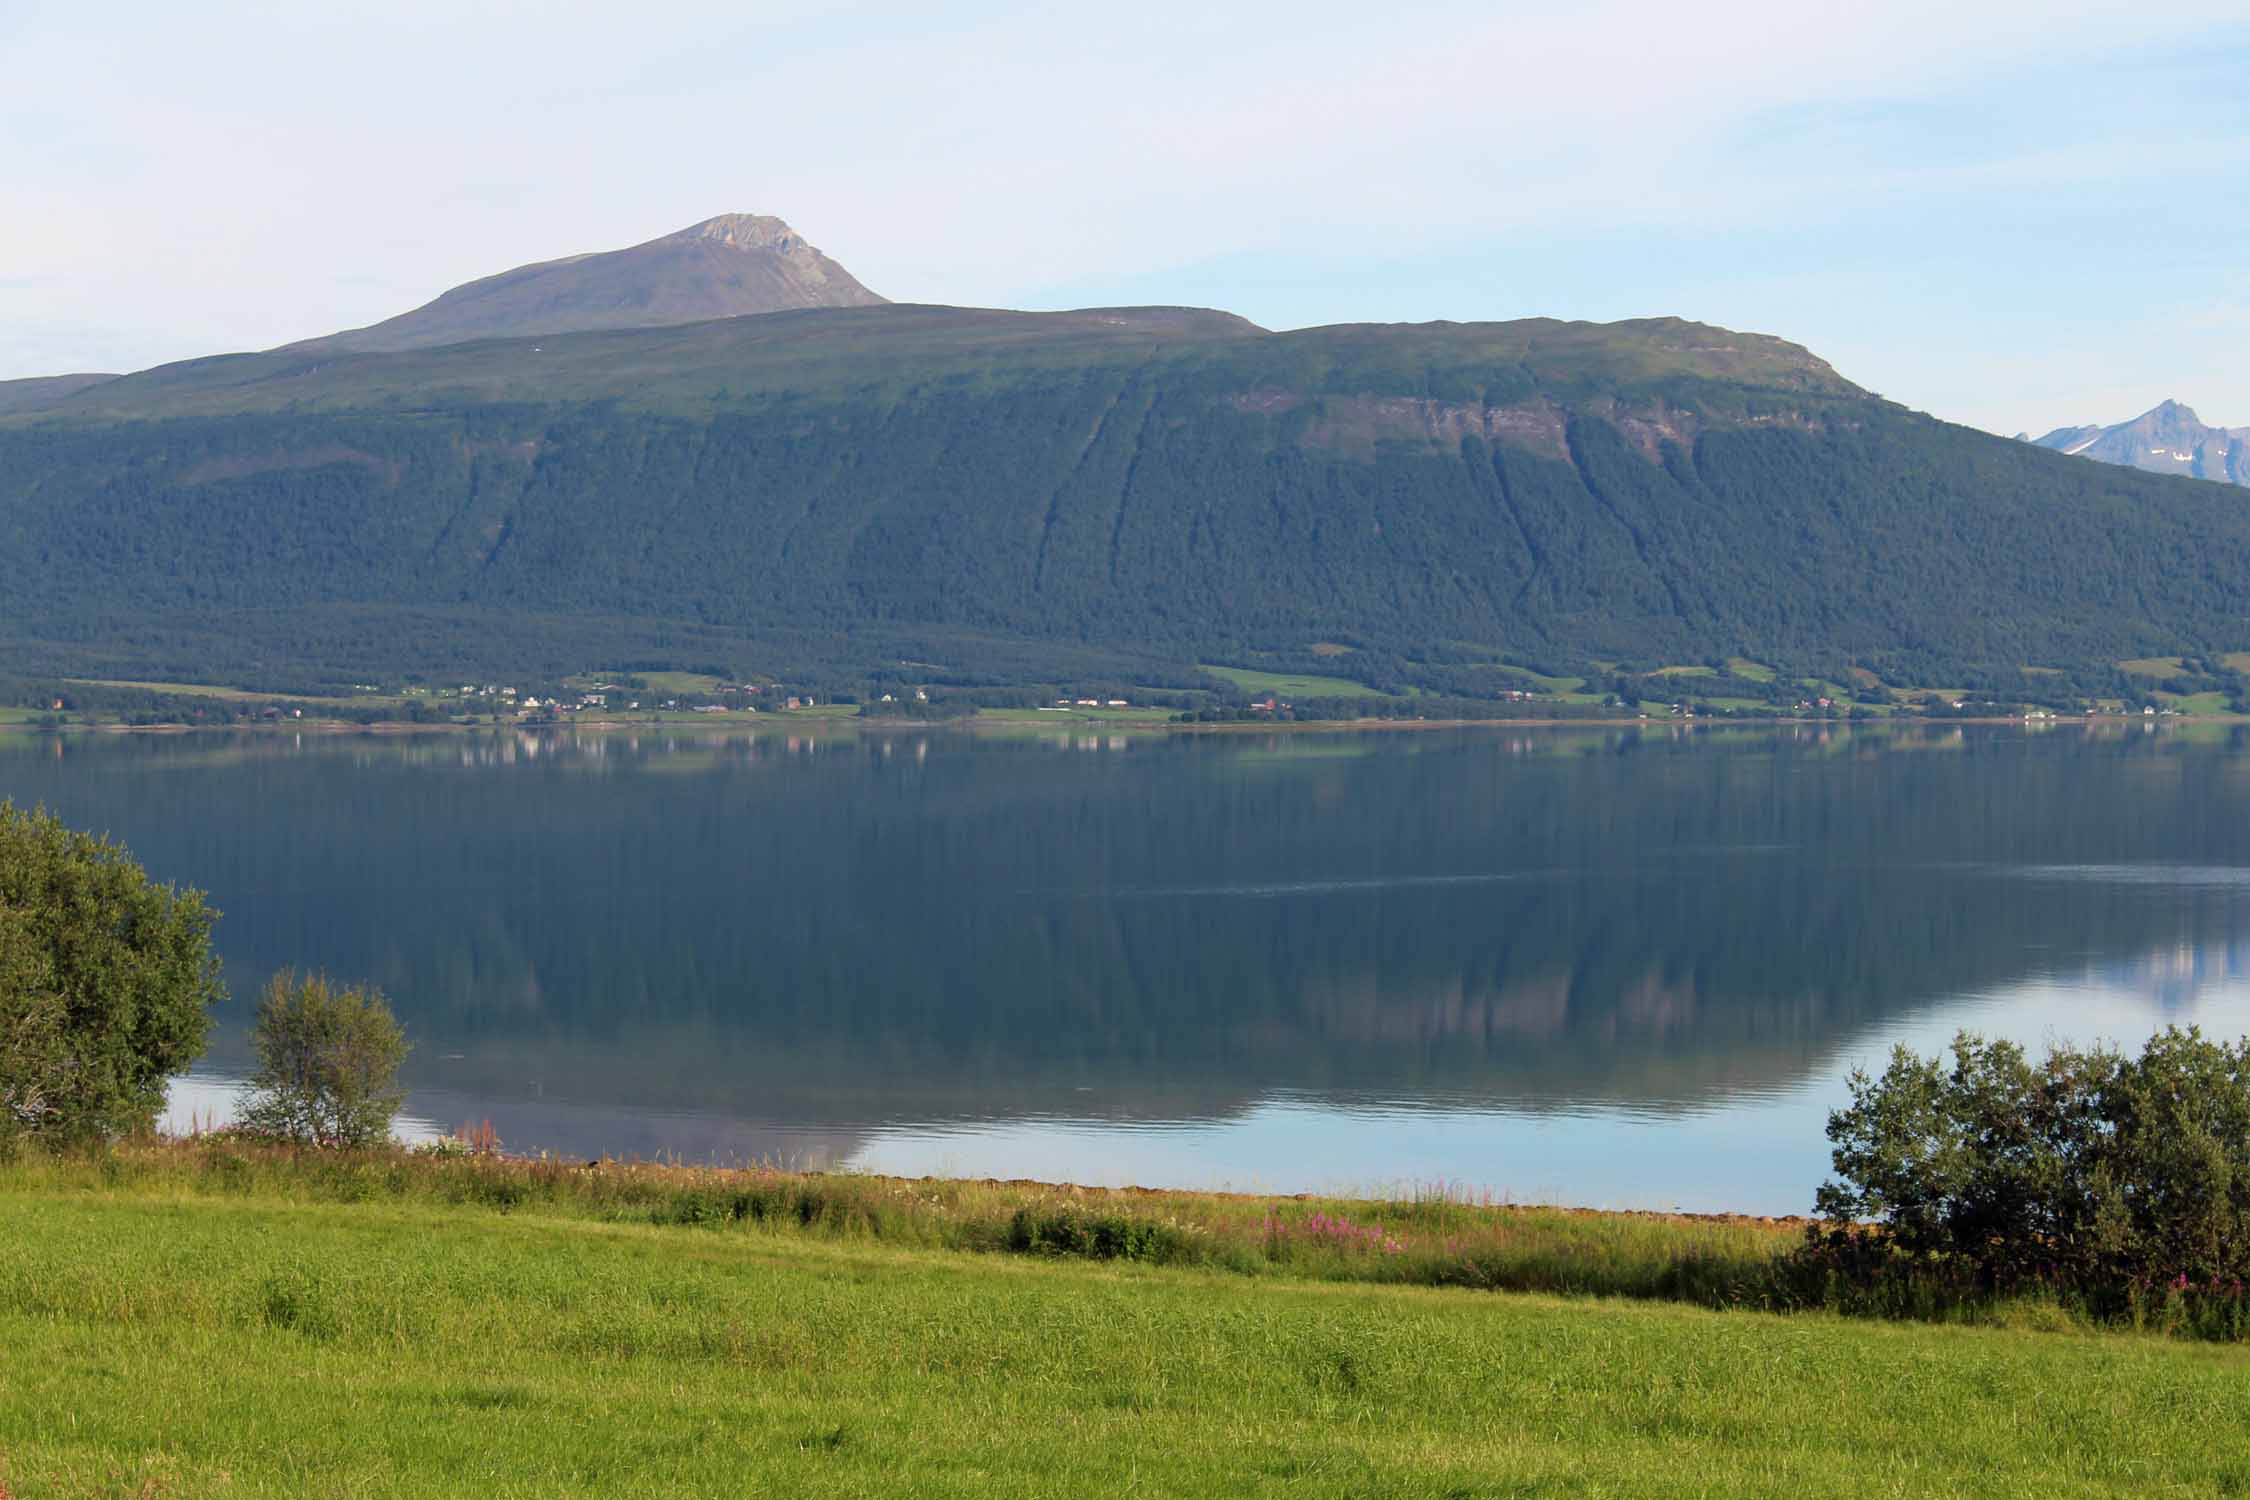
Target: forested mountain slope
column 1142, row 486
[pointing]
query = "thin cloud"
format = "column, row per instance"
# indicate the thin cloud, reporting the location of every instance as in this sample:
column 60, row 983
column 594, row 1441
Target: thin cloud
column 254, row 173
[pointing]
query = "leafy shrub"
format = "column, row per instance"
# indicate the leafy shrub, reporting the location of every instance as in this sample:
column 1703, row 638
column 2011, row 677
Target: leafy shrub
column 328, row 1061
column 2123, row 1181
column 106, row 982
column 1071, row 1231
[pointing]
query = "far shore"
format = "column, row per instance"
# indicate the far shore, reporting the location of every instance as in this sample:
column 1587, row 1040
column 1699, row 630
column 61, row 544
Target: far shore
column 976, row 724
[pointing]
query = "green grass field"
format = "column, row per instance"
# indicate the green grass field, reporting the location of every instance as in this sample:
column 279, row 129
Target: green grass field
column 1566, row 688
column 187, row 690
column 241, row 695
column 665, row 684
column 391, row 1327
column 1293, row 684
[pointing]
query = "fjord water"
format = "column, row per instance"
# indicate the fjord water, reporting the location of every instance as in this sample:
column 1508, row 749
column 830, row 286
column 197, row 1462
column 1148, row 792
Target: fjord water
column 1622, row 967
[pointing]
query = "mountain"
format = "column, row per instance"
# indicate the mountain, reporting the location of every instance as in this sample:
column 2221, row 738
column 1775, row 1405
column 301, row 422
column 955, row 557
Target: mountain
column 44, row 391
column 2167, row 439
column 721, row 268
column 1109, row 494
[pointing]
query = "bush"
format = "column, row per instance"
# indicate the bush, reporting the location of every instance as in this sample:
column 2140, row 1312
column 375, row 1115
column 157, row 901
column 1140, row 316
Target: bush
column 106, row 981
column 1096, row 1236
column 2094, row 1173
column 32, row 1055
column 327, row 1063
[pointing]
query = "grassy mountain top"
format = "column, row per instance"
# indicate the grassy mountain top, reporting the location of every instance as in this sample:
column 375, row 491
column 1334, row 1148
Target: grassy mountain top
column 829, row 352
column 724, row 267
column 43, row 391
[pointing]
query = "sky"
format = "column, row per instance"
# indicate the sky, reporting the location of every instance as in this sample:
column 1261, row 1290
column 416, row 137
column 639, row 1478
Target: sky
column 2018, row 214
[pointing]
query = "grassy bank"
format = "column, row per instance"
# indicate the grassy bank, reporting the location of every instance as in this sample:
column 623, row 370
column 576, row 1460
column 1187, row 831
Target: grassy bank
column 1432, row 1238
column 254, row 1330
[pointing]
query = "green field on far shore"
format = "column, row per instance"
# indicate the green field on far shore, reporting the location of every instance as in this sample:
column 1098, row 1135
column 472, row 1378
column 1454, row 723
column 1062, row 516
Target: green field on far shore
column 184, row 689
column 1293, row 684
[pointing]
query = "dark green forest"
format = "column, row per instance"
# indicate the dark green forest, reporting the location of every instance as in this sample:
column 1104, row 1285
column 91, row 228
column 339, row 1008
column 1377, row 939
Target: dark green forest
column 832, row 494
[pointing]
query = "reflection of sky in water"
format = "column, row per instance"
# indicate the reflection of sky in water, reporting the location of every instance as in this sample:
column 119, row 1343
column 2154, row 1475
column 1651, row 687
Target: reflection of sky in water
column 1589, row 967
column 1761, row 1152
column 203, row 1101
column 2218, row 877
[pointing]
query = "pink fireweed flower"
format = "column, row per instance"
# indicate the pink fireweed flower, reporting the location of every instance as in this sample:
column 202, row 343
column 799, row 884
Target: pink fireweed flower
column 1336, row 1232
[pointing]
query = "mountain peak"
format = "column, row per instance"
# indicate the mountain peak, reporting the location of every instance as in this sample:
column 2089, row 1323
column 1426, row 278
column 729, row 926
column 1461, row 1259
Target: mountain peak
column 724, row 267
column 746, row 232
column 2168, row 438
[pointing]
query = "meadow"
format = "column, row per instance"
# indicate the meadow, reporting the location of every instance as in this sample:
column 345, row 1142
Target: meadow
column 209, row 1319
column 1293, row 684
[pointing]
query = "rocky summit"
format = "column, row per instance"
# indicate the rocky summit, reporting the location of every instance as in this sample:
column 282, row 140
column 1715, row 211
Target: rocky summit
column 720, row 268
column 2166, row 439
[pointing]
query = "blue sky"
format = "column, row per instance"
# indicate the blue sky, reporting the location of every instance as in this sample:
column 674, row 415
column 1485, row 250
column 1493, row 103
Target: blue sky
column 2010, row 214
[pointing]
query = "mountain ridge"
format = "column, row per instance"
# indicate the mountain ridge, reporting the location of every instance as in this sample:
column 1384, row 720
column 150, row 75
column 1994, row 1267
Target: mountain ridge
column 811, row 352
column 2168, row 438
column 44, row 392
column 1124, row 491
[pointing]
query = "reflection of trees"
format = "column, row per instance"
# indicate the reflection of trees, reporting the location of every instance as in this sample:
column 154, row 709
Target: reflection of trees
column 1176, row 927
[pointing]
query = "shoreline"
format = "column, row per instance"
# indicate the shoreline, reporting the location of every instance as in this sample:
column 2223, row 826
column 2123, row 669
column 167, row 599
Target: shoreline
column 972, row 724
column 1138, row 1193
column 692, row 1176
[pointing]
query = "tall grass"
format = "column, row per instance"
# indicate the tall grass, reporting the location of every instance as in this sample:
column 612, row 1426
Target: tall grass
column 1434, row 1237
column 180, row 1326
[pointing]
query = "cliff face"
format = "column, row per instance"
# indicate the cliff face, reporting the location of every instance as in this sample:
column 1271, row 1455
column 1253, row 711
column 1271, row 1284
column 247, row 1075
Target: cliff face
column 720, row 268
column 2167, row 439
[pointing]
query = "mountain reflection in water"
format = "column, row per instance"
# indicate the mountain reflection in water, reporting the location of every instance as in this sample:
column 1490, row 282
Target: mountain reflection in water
column 1636, row 962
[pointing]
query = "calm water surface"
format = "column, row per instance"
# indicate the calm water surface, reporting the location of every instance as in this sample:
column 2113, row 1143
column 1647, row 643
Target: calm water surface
column 1612, row 967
